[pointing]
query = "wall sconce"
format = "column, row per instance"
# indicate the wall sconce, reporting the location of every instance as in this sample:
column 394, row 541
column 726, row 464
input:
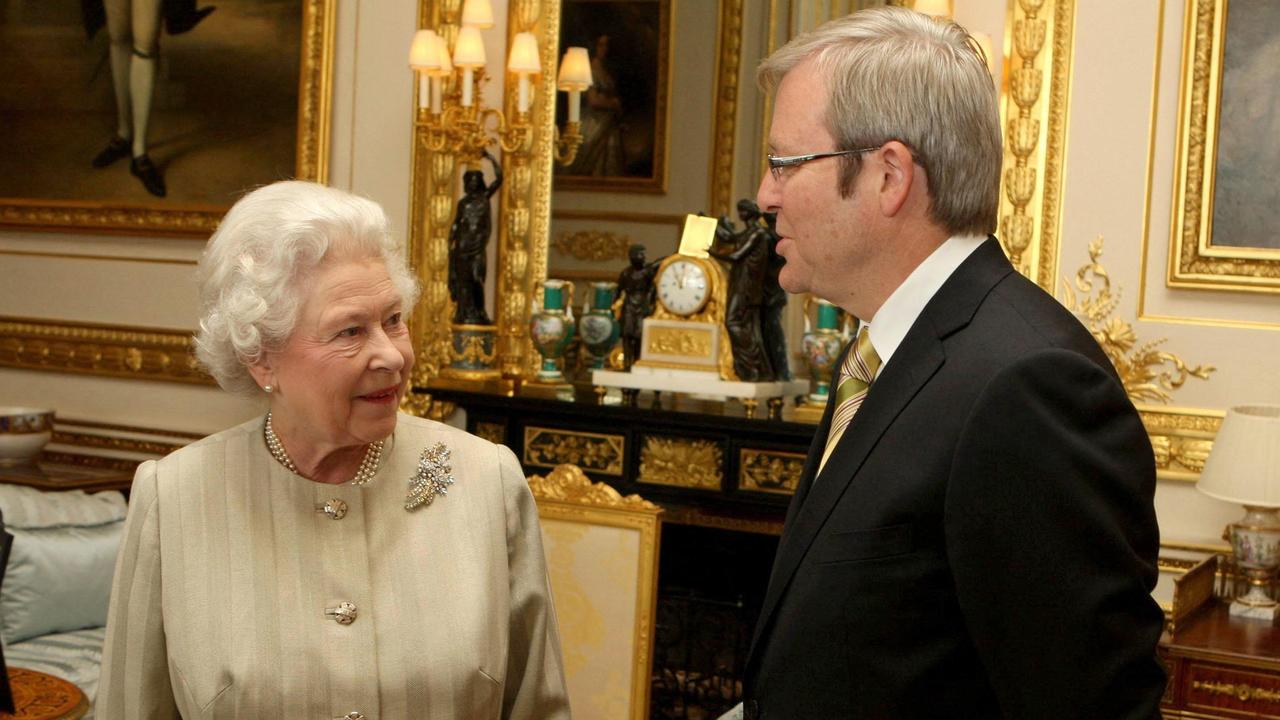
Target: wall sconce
column 456, row 119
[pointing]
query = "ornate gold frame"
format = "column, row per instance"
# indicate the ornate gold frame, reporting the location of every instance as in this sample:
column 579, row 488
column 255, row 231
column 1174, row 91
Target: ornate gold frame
column 661, row 115
column 99, row 349
column 567, row 494
column 1194, row 262
column 314, row 102
column 1035, row 137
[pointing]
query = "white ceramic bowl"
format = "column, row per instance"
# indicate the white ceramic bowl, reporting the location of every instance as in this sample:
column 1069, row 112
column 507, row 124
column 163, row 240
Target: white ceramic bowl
column 24, row 431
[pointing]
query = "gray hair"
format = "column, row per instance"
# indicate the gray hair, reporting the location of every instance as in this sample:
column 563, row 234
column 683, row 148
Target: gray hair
column 895, row 74
column 253, row 271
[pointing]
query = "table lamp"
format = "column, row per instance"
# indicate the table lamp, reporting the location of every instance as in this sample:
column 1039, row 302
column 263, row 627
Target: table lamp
column 1244, row 468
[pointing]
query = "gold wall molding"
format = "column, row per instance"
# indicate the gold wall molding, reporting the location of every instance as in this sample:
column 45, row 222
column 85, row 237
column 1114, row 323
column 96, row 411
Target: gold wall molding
column 728, row 68
column 98, row 349
column 1148, row 373
column 1194, row 262
column 681, row 463
column 770, row 471
column 595, row 452
column 315, row 95
column 120, row 444
column 1035, row 135
column 1181, row 438
column 593, row 245
column 107, row 258
column 568, row 483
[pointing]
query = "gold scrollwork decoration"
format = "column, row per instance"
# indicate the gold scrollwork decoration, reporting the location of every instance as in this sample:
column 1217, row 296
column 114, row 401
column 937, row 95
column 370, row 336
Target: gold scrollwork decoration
column 770, row 471
column 495, row 433
column 1138, row 363
column 595, row 452
column 1240, row 691
column 593, row 245
column 473, row 352
column 568, row 483
column 424, row 406
column 96, row 349
column 1036, row 109
column 728, row 63
column 682, row 463
column 684, row 342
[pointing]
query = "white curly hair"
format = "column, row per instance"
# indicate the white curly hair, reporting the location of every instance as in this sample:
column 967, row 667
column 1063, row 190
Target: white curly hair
column 253, row 271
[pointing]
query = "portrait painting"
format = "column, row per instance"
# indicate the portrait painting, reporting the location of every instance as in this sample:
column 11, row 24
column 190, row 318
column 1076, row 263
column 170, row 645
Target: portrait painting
column 154, row 116
column 624, row 112
column 1227, row 201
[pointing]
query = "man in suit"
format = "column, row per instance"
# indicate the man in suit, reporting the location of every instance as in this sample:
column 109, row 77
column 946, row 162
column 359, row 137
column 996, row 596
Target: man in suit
column 974, row 534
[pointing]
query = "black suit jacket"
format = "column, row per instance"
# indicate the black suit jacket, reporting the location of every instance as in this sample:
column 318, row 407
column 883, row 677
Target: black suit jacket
column 982, row 542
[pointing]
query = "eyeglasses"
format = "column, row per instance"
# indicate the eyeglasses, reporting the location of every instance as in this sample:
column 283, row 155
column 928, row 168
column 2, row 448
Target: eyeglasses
column 778, row 163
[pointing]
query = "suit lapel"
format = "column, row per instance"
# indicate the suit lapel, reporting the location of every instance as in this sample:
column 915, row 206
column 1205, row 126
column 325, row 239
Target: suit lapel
column 915, row 361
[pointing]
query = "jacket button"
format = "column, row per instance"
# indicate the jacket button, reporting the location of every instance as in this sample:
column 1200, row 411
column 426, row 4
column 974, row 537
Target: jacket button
column 336, row 509
column 344, row 614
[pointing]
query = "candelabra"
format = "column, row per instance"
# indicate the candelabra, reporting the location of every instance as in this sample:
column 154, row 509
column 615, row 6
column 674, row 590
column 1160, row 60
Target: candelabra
column 451, row 125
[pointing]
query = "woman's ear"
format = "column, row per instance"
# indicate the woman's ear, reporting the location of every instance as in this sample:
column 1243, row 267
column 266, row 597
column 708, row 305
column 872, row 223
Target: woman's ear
column 262, row 372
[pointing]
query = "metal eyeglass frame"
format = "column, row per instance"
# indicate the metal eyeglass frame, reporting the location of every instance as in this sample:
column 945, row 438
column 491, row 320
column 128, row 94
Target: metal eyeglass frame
column 778, row 163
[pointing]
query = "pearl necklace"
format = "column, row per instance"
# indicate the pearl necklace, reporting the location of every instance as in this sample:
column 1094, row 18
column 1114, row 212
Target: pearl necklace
column 368, row 467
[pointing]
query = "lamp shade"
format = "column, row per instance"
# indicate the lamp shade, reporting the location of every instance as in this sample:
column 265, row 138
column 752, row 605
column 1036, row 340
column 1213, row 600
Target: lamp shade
column 477, row 13
column 575, row 70
column 469, row 50
column 524, row 54
column 442, row 50
column 1244, row 465
column 423, row 53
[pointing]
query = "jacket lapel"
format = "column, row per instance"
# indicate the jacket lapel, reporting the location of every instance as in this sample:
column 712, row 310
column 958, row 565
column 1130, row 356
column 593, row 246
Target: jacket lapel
column 915, row 361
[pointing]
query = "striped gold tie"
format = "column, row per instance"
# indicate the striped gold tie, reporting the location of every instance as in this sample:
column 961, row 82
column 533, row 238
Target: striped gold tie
column 856, row 374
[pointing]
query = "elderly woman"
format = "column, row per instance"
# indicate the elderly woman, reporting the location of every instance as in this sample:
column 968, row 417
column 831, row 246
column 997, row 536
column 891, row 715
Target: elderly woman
column 309, row 563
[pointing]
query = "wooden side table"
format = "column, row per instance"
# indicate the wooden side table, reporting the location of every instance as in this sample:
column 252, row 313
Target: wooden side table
column 1222, row 667
column 60, row 476
column 40, row 696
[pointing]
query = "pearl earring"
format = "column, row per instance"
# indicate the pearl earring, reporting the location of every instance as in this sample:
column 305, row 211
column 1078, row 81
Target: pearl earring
column 267, row 389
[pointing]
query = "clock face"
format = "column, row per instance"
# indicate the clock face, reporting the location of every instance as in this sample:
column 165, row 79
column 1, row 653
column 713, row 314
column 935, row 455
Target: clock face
column 683, row 287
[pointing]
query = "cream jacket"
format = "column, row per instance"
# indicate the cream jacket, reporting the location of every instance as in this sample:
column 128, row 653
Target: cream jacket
column 229, row 564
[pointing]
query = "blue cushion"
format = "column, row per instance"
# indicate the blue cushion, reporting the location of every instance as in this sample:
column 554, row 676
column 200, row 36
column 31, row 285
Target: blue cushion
column 63, row 556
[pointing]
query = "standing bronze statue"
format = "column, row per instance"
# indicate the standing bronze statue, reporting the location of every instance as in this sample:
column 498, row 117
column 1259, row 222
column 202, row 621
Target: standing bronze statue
column 775, row 299
column 748, row 264
column 468, row 240
column 637, row 295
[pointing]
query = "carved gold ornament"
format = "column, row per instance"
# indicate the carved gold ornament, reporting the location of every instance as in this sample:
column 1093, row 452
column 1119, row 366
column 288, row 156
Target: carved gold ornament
column 568, row 483
column 593, row 245
column 728, row 64
column 685, row 342
column 770, row 471
column 1240, row 691
column 597, row 452
column 682, row 463
column 1138, row 363
column 94, row 349
column 473, row 352
column 424, row 406
column 1181, row 439
column 1035, row 135
column 495, row 433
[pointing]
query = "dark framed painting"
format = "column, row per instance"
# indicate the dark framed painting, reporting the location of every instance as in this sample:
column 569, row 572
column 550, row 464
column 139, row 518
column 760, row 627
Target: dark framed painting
column 123, row 120
column 1226, row 201
column 624, row 113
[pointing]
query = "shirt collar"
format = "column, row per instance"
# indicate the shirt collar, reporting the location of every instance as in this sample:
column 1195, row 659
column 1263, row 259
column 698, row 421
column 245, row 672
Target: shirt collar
column 899, row 312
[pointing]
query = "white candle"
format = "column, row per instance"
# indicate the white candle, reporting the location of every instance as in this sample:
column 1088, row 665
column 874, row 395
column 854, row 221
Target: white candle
column 575, row 104
column 435, row 94
column 523, row 103
column 422, row 90
column 468, row 76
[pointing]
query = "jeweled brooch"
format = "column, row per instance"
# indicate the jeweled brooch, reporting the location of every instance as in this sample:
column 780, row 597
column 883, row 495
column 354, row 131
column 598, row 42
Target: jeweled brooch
column 433, row 477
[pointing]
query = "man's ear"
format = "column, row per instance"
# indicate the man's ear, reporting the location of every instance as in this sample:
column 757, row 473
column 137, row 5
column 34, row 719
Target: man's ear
column 898, row 174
